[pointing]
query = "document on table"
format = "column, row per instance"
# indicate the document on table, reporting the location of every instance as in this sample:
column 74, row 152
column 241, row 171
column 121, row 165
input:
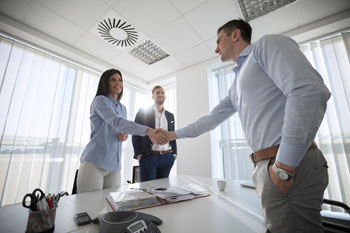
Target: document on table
column 139, row 199
column 189, row 190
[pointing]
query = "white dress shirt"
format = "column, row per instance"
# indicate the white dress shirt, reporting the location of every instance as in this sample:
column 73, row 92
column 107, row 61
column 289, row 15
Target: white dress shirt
column 161, row 122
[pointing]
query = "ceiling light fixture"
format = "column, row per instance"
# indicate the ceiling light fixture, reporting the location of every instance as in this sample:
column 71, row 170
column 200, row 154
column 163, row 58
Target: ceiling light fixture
column 148, row 52
column 117, row 32
column 252, row 9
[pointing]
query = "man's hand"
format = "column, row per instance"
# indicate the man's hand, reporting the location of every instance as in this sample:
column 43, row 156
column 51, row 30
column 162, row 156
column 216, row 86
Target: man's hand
column 122, row 137
column 138, row 157
column 161, row 133
column 283, row 185
column 157, row 137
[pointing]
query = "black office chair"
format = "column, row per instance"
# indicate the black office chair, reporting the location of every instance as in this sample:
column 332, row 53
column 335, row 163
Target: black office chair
column 74, row 191
column 336, row 223
column 135, row 175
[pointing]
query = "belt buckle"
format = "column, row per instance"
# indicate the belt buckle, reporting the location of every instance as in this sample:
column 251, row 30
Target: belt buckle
column 161, row 152
column 252, row 158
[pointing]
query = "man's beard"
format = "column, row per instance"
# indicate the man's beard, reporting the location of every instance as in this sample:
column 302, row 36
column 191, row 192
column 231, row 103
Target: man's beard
column 160, row 102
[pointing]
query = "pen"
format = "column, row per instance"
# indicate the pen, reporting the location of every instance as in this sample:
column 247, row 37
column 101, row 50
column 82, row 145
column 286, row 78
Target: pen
column 50, row 203
column 42, row 204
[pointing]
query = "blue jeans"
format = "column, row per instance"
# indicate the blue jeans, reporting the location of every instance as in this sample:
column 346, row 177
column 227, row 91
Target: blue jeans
column 155, row 166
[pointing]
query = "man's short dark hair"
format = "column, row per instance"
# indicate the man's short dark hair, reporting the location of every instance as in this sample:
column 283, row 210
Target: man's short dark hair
column 243, row 26
column 155, row 88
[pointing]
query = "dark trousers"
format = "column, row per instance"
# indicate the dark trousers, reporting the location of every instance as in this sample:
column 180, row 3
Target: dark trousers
column 155, row 166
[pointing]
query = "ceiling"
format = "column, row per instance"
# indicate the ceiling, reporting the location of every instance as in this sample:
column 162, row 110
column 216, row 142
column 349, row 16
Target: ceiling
column 186, row 29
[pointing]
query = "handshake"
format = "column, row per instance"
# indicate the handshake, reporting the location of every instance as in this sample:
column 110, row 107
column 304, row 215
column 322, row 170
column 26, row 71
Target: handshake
column 160, row 136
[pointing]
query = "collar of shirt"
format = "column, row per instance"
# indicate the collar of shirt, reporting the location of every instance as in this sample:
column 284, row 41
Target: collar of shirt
column 242, row 56
column 113, row 101
column 156, row 110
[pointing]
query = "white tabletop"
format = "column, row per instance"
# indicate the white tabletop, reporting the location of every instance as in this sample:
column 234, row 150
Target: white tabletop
column 235, row 210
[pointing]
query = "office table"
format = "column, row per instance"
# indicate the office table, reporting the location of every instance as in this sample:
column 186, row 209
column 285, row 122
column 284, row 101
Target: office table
column 237, row 209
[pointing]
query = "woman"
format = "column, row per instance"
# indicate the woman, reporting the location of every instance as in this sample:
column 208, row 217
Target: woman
column 100, row 162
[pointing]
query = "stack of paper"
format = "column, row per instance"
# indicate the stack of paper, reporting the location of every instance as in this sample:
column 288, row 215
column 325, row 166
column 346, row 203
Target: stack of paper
column 180, row 193
column 132, row 200
column 139, row 199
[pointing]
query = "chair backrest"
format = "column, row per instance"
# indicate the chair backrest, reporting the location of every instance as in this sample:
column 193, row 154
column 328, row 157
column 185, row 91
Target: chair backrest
column 136, row 174
column 74, row 191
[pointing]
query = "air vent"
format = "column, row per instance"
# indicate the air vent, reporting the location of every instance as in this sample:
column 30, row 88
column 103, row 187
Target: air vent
column 148, row 52
column 252, row 9
column 117, row 32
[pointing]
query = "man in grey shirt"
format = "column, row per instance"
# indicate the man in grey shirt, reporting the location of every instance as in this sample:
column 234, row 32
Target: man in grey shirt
column 281, row 100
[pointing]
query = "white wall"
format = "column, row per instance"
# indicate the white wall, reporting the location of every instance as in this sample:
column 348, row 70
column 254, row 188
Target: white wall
column 194, row 157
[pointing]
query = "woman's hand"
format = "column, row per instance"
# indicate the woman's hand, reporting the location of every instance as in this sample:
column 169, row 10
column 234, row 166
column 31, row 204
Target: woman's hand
column 122, row 137
column 161, row 136
column 157, row 137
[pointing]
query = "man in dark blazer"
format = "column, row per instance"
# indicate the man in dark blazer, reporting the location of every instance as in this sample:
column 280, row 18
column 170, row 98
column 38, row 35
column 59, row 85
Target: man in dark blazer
column 155, row 160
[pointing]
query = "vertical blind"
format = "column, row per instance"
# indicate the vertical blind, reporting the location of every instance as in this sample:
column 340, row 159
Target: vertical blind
column 45, row 119
column 235, row 150
column 44, row 122
column 331, row 58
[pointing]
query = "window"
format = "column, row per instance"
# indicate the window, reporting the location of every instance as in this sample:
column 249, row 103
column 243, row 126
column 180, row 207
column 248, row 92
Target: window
column 44, row 119
column 232, row 145
column 331, row 56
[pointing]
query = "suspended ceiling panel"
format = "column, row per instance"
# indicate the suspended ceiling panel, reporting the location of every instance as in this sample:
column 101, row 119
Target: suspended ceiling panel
column 186, row 29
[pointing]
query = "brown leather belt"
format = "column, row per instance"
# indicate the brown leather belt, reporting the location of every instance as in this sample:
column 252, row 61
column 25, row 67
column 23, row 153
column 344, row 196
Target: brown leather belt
column 161, row 152
column 271, row 152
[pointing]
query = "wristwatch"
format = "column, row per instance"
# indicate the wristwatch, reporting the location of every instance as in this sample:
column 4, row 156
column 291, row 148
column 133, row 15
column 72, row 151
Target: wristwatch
column 282, row 174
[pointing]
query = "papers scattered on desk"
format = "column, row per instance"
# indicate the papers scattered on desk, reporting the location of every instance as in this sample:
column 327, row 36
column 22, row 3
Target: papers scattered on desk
column 139, row 199
column 170, row 192
column 132, row 200
column 180, row 193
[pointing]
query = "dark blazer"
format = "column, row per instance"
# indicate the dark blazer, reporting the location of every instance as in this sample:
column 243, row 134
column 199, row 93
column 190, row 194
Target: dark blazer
column 143, row 145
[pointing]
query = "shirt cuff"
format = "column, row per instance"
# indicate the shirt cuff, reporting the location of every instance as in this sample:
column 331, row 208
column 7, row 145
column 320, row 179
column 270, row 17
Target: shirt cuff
column 180, row 133
column 289, row 154
column 144, row 130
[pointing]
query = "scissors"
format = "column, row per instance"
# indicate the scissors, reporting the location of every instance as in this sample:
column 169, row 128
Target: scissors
column 56, row 197
column 30, row 200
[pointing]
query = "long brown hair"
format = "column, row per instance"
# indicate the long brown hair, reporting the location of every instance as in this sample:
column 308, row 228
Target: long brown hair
column 103, row 85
